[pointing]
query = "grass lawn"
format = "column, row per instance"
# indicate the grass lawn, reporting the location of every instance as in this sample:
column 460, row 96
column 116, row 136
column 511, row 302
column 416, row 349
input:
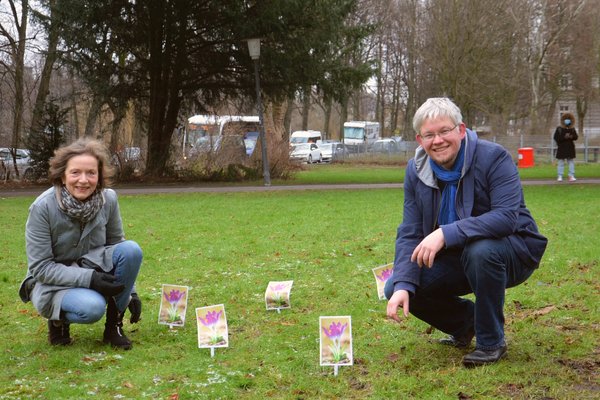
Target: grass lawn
column 227, row 247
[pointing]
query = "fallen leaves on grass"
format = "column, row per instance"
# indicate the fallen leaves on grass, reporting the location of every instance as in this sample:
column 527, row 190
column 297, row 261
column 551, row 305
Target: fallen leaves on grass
column 524, row 312
column 585, row 368
column 543, row 311
column 513, row 390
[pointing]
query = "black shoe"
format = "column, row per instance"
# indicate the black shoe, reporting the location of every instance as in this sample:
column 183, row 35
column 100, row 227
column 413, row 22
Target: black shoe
column 114, row 335
column 459, row 341
column 482, row 357
column 113, row 328
column 59, row 333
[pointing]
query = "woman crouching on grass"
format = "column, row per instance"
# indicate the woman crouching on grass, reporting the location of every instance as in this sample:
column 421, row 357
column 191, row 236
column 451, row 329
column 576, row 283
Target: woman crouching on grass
column 79, row 263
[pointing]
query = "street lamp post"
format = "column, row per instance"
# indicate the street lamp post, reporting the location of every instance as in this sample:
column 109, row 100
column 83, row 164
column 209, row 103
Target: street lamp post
column 254, row 50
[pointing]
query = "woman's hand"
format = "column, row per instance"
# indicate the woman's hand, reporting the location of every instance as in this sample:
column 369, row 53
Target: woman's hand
column 105, row 284
column 135, row 308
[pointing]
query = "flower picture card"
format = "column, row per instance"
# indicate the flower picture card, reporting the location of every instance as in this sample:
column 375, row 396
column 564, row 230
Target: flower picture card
column 173, row 305
column 277, row 295
column 382, row 274
column 212, row 327
column 335, row 341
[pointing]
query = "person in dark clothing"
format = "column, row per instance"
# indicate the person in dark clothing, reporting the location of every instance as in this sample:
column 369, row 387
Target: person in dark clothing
column 564, row 136
column 465, row 229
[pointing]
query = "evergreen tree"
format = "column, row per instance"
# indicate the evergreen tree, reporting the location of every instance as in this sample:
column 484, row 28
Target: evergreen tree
column 162, row 52
column 43, row 141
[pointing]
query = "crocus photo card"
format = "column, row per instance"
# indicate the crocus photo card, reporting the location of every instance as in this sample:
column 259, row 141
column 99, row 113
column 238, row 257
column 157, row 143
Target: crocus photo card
column 382, row 274
column 277, row 295
column 335, row 341
column 173, row 305
column 212, row 326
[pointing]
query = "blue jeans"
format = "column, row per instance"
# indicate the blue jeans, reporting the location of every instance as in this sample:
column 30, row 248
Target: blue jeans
column 484, row 267
column 86, row 306
column 561, row 167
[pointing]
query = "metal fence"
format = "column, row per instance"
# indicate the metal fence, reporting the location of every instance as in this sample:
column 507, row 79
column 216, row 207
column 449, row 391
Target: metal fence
column 587, row 147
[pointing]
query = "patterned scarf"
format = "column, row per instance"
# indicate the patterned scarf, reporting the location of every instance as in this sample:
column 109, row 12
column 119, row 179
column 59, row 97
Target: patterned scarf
column 83, row 211
column 450, row 178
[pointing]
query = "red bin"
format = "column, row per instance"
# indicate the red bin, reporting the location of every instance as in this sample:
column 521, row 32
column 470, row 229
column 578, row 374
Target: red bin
column 526, row 157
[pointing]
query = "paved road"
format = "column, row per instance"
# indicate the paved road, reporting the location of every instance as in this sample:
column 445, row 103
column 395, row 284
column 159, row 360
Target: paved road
column 154, row 189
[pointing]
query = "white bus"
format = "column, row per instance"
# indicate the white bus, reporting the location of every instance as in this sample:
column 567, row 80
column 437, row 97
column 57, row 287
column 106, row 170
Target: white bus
column 359, row 136
column 206, row 133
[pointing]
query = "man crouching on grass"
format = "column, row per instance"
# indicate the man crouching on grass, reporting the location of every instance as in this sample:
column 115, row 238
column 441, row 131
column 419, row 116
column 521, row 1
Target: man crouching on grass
column 465, row 229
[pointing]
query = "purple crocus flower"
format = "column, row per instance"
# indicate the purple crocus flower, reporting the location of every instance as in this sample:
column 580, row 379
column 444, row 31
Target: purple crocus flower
column 335, row 330
column 174, row 296
column 278, row 287
column 212, row 317
column 385, row 275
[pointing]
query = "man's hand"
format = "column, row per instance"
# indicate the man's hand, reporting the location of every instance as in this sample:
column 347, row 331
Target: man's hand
column 398, row 299
column 425, row 252
column 105, row 284
column 135, row 308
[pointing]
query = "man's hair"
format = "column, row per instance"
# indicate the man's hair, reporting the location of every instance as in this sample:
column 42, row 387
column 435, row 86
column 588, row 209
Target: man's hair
column 58, row 163
column 436, row 107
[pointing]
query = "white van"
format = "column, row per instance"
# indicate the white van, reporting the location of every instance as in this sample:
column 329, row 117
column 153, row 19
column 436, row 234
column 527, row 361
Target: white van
column 359, row 136
column 305, row 137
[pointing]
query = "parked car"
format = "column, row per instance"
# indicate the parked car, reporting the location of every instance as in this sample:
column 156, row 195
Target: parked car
column 387, row 146
column 308, row 152
column 23, row 161
column 331, row 150
column 128, row 157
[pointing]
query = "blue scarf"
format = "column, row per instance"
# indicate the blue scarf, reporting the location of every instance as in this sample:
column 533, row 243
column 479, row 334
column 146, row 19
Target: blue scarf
column 450, row 178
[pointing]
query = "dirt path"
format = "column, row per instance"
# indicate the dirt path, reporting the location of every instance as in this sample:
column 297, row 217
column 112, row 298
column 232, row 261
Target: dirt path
column 154, row 189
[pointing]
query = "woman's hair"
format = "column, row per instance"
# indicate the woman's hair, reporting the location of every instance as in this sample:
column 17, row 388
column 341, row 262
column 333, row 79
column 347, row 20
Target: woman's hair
column 436, row 107
column 567, row 115
column 95, row 148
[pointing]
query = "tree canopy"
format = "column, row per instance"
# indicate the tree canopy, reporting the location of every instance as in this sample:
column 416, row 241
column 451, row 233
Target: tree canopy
column 161, row 52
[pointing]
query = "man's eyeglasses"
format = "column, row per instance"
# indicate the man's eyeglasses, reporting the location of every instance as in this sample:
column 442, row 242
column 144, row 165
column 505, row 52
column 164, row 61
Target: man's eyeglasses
column 428, row 136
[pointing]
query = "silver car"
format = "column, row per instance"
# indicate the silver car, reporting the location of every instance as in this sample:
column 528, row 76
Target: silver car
column 23, row 164
column 333, row 151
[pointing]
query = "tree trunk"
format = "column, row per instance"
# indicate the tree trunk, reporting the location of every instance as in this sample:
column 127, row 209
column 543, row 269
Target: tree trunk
column 356, row 109
column 119, row 112
column 75, row 117
column 43, row 89
column 287, row 122
column 343, row 115
column 165, row 96
column 305, row 107
column 327, row 119
column 582, row 106
column 92, row 118
column 19, row 71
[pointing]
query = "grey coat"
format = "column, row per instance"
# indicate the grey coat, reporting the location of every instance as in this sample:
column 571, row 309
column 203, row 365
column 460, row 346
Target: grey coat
column 55, row 243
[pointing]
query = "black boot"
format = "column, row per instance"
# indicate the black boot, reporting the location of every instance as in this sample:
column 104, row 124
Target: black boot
column 58, row 333
column 113, row 328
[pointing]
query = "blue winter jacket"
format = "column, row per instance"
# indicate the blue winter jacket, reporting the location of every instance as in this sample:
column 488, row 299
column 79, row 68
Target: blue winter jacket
column 489, row 204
